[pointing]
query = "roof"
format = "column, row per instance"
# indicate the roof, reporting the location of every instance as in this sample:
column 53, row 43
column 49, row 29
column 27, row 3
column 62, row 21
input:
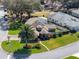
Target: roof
column 65, row 20
column 40, row 20
column 76, row 11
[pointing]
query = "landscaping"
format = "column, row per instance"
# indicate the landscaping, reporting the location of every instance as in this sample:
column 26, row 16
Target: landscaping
column 13, row 46
column 13, row 32
column 71, row 57
column 60, row 41
column 53, row 43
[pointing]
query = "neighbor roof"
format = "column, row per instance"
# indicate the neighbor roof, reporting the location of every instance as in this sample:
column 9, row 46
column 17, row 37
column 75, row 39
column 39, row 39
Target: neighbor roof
column 65, row 20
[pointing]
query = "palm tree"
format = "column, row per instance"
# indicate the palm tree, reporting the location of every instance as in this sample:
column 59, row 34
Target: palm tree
column 26, row 33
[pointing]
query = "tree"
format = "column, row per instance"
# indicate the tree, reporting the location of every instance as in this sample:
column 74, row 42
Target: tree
column 15, row 25
column 36, row 6
column 18, row 7
column 26, row 33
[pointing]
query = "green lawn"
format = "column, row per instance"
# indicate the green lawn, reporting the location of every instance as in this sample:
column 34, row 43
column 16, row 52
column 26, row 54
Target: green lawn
column 71, row 57
column 43, row 49
column 77, row 34
column 15, row 46
column 13, row 32
column 12, row 46
column 60, row 41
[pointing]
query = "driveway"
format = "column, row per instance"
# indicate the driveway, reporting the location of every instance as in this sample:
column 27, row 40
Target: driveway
column 58, row 53
column 3, row 36
column 3, row 54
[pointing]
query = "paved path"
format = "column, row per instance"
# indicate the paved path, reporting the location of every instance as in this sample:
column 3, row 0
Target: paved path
column 3, row 36
column 44, row 45
column 58, row 53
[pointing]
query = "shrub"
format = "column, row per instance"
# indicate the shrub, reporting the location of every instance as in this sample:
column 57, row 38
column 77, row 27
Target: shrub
column 78, row 36
column 27, row 46
column 54, row 36
column 60, row 34
column 38, row 46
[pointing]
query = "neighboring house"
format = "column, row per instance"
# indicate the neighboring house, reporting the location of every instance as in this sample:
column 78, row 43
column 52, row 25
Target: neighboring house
column 75, row 13
column 57, row 5
column 48, row 4
column 65, row 20
column 71, row 4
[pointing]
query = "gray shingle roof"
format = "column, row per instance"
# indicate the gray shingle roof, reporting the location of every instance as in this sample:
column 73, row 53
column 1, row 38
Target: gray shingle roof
column 65, row 20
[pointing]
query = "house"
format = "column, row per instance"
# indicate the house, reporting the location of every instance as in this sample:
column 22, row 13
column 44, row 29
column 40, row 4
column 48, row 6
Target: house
column 65, row 20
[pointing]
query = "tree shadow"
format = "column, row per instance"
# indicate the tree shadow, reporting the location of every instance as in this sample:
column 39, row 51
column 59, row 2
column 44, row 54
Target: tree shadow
column 21, row 54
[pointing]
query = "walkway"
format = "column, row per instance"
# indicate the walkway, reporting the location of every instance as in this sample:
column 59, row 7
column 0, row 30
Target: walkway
column 44, row 45
column 3, row 36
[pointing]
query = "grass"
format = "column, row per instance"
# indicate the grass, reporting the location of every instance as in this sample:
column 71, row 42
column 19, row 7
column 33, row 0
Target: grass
column 43, row 49
column 12, row 46
column 13, row 32
column 71, row 57
column 77, row 34
column 60, row 41
column 15, row 46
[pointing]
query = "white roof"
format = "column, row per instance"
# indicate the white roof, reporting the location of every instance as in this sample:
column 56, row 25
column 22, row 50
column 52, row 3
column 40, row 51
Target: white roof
column 65, row 19
column 76, row 11
column 38, row 19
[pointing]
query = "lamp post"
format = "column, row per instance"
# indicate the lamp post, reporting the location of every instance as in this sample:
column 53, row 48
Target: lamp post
column 8, row 39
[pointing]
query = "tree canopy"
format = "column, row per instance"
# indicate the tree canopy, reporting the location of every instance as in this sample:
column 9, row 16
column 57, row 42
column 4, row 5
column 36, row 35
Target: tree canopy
column 26, row 33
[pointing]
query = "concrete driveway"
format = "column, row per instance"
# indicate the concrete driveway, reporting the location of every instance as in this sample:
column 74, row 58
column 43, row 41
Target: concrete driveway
column 3, row 36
